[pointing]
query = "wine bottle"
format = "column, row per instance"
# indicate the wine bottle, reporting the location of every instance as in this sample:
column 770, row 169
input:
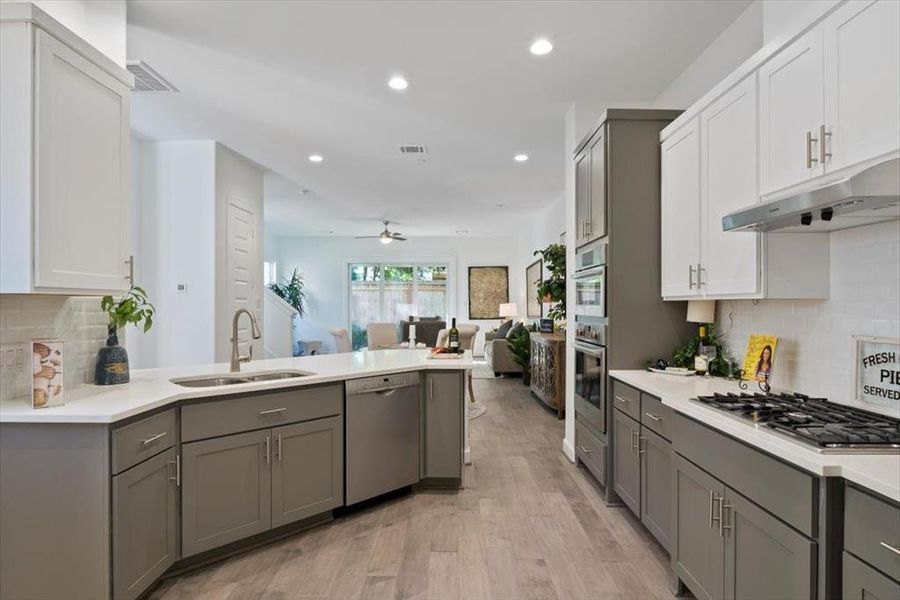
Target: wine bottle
column 453, row 337
column 700, row 362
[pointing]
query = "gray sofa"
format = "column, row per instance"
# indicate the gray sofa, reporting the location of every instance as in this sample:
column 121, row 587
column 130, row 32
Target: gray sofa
column 496, row 353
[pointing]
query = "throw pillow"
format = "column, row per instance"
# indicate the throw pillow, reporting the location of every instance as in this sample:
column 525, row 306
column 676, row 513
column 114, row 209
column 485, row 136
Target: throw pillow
column 504, row 328
column 515, row 331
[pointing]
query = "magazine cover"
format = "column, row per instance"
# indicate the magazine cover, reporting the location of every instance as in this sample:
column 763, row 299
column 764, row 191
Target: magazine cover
column 759, row 358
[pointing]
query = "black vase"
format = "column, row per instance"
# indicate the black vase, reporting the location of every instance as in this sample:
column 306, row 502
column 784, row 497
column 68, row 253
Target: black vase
column 112, row 362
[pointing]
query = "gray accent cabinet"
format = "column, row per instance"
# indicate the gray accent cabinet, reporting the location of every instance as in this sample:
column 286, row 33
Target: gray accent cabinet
column 227, row 489
column 862, row 582
column 307, row 469
column 872, row 530
column 145, row 524
column 626, row 460
column 656, row 485
column 443, row 415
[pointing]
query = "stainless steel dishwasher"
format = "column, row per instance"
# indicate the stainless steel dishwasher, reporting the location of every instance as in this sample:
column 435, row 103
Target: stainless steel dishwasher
column 382, row 435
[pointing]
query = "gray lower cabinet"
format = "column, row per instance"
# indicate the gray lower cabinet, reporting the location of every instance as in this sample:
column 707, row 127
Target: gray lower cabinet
column 145, row 520
column 626, row 460
column 226, row 492
column 727, row 548
column 698, row 553
column 656, row 485
column 764, row 558
column 862, row 582
column 443, row 414
column 307, row 473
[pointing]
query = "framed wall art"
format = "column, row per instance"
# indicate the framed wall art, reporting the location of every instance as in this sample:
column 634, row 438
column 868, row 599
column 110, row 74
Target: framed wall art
column 533, row 276
column 488, row 289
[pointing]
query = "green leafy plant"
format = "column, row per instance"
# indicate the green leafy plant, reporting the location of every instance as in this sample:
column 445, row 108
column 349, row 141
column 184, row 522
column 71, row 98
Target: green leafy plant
column 554, row 287
column 292, row 291
column 134, row 307
column 520, row 348
column 720, row 366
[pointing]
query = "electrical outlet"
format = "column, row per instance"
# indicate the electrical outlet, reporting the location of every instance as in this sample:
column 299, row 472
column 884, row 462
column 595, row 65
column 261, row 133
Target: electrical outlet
column 181, row 288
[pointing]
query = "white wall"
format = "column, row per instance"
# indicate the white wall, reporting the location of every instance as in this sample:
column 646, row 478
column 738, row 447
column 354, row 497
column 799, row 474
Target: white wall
column 174, row 208
column 724, row 54
column 543, row 228
column 814, row 354
column 101, row 23
column 781, row 17
column 240, row 180
column 323, row 262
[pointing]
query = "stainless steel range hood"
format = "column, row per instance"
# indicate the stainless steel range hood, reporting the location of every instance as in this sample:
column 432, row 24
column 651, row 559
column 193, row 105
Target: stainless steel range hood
column 870, row 196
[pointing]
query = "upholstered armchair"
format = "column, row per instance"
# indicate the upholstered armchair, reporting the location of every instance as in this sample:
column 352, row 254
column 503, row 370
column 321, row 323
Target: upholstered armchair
column 497, row 354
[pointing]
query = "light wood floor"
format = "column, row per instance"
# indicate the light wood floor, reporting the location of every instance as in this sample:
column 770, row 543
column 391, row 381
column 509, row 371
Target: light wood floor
column 528, row 525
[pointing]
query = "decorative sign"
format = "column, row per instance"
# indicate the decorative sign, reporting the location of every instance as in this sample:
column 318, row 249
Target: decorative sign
column 877, row 369
column 546, row 326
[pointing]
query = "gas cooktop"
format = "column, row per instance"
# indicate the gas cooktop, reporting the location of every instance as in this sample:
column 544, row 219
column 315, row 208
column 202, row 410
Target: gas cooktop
column 816, row 421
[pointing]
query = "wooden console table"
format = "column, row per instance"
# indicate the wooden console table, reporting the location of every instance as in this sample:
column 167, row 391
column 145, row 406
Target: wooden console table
column 548, row 370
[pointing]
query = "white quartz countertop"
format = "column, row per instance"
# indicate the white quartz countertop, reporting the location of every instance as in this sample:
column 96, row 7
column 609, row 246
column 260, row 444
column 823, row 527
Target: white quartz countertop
column 152, row 388
column 877, row 472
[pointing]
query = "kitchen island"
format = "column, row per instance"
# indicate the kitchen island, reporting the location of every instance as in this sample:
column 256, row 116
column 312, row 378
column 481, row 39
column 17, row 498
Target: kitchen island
column 731, row 499
column 103, row 496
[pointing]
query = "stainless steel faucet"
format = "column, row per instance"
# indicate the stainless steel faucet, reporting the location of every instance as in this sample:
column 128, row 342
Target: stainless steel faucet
column 236, row 357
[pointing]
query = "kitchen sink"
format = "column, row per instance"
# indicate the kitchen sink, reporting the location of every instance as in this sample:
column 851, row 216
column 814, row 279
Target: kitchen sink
column 236, row 378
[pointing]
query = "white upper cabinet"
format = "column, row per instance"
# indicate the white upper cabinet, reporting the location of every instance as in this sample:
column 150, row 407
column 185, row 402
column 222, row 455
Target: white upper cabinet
column 728, row 129
column 681, row 212
column 64, row 207
column 791, row 114
column 862, row 82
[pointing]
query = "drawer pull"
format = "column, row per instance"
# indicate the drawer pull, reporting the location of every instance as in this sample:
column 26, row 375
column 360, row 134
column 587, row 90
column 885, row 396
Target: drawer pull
column 654, row 417
column 623, row 399
column 153, row 438
column 889, row 547
column 583, row 449
column 272, row 411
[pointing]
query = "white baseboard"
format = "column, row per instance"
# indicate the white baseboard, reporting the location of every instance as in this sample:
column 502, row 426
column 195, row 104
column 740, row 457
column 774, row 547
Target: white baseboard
column 569, row 450
column 467, row 455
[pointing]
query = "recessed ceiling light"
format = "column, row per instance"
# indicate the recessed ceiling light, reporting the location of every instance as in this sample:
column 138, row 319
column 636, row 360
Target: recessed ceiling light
column 541, row 46
column 317, row 158
column 398, row 83
column 501, row 205
column 520, row 157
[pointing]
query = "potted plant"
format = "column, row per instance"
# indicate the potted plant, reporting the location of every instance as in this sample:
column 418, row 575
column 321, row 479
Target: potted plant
column 553, row 289
column 292, row 291
column 112, row 359
column 520, row 347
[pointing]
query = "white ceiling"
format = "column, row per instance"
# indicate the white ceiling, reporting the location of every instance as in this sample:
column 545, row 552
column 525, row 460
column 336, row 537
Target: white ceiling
column 278, row 81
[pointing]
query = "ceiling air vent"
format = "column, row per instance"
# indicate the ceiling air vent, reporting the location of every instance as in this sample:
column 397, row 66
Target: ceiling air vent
column 148, row 80
column 413, row 149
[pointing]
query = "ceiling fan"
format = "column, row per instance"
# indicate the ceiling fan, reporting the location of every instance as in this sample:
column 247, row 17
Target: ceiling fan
column 385, row 237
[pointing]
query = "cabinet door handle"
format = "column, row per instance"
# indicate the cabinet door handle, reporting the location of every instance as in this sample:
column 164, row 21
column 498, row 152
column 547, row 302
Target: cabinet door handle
column 177, row 463
column 652, row 416
column 583, row 449
column 691, row 277
column 722, row 508
column 272, row 411
column 713, row 500
column 634, row 440
column 823, row 137
column 889, row 547
column 268, row 455
column 431, row 388
column 130, row 263
column 587, row 228
column 700, row 270
column 642, row 439
column 278, row 447
column 810, row 159
column 153, row 438
column 623, row 399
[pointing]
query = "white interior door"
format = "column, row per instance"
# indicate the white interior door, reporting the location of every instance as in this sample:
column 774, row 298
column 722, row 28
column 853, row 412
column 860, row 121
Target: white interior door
column 242, row 271
column 791, row 92
column 681, row 212
column 81, row 172
column 728, row 166
column 862, row 81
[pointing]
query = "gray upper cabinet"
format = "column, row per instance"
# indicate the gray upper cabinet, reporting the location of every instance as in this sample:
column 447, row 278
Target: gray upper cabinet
column 698, row 552
column 596, row 227
column 656, row 486
column 627, row 464
column 764, row 558
column 444, row 406
column 582, row 195
column 307, row 469
column 144, row 513
column 862, row 582
column 226, row 494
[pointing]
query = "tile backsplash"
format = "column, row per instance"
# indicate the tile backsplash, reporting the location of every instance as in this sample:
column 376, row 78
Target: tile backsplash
column 77, row 321
column 815, row 349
